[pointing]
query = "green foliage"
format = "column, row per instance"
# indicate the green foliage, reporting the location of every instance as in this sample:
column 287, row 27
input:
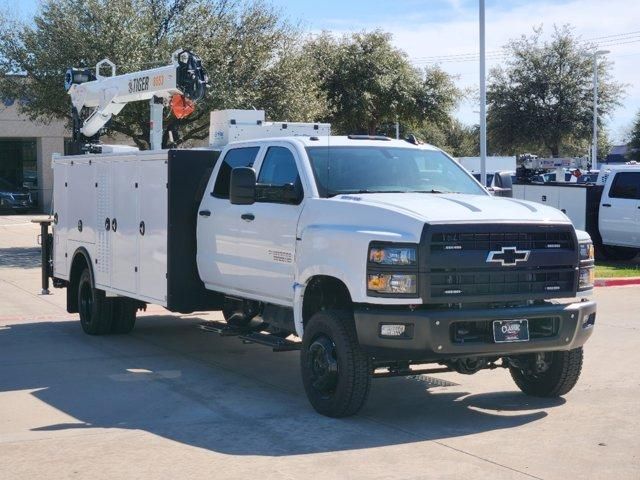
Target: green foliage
column 453, row 137
column 253, row 57
column 369, row 84
column 634, row 142
column 542, row 100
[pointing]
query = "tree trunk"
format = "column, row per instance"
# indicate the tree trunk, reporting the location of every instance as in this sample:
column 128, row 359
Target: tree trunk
column 373, row 127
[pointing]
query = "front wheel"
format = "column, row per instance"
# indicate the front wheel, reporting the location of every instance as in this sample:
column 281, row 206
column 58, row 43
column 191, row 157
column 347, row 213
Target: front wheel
column 336, row 373
column 548, row 374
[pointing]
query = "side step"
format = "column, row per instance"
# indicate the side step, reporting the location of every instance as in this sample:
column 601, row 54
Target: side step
column 278, row 344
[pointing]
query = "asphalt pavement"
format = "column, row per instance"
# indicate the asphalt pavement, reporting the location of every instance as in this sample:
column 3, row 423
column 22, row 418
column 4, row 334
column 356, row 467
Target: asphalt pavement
column 171, row 401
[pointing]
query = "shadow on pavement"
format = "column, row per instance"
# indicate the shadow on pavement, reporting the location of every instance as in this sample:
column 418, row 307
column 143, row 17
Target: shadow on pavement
column 170, row 379
column 20, row 257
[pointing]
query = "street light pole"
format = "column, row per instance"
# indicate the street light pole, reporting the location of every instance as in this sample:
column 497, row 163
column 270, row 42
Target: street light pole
column 594, row 146
column 483, row 102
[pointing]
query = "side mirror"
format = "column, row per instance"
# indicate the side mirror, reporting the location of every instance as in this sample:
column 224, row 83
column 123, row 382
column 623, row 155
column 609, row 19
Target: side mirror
column 503, row 184
column 242, row 187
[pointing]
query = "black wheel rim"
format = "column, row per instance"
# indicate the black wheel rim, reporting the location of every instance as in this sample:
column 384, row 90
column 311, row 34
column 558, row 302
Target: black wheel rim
column 86, row 303
column 323, row 365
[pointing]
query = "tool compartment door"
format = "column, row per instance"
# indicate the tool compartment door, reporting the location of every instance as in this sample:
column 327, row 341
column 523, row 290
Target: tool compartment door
column 104, row 210
column 152, row 229
column 61, row 219
column 124, row 225
column 81, row 203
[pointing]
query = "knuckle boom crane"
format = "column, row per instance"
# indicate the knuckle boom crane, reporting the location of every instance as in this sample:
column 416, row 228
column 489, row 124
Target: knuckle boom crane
column 181, row 83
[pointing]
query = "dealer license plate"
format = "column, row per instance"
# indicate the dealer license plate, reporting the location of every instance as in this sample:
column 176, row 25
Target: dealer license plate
column 511, row 330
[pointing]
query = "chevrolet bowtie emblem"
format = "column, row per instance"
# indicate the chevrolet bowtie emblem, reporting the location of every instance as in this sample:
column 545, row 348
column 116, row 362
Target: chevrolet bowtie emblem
column 508, row 256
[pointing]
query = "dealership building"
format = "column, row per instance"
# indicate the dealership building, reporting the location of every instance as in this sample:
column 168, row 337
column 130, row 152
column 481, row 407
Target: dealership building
column 25, row 153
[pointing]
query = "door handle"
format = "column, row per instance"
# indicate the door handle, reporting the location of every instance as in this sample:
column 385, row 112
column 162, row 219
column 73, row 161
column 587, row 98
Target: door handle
column 249, row 217
column 204, row 213
column 606, row 204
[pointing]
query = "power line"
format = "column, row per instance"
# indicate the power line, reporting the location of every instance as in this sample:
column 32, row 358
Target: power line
column 607, row 41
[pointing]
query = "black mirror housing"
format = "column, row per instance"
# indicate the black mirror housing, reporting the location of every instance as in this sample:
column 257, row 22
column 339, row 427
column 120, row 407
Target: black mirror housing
column 242, row 187
column 503, row 184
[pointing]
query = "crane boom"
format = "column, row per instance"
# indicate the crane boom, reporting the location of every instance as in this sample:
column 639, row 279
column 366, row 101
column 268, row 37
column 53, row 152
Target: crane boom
column 108, row 95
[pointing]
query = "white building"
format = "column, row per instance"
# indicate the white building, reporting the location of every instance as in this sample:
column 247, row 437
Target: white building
column 25, row 152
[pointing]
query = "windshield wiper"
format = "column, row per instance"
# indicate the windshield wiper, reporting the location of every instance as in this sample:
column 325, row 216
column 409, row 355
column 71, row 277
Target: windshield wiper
column 363, row 190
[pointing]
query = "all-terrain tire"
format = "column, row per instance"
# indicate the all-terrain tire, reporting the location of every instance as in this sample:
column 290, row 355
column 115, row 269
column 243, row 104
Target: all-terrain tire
column 96, row 311
column 124, row 315
column 330, row 337
column 561, row 376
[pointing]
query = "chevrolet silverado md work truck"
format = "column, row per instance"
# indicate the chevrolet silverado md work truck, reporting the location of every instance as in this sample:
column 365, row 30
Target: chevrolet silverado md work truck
column 371, row 256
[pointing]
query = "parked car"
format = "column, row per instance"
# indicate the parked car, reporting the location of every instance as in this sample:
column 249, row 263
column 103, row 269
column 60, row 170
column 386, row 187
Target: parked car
column 13, row 198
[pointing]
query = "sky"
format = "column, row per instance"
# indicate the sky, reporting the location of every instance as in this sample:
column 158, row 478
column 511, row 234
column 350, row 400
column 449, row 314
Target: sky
column 446, row 32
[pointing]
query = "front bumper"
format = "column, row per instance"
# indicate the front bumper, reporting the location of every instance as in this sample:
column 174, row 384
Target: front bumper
column 430, row 335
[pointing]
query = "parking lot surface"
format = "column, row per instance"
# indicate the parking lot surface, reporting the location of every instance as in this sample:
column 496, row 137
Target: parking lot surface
column 171, row 401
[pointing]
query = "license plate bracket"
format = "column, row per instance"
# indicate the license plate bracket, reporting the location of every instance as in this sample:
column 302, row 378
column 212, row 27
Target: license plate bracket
column 508, row 331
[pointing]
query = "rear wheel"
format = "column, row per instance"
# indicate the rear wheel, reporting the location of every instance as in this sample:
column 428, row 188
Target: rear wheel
column 95, row 310
column 124, row 315
column 549, row 374
column 335, row 371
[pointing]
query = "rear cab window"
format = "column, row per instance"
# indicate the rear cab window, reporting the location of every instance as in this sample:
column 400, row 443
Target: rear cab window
column 626, row 185
column 236, row 157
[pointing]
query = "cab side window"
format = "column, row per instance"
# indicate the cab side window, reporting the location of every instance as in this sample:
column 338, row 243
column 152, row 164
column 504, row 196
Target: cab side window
column 278, row 167
column 237, row 157
column 626, row 185
column 279, row 180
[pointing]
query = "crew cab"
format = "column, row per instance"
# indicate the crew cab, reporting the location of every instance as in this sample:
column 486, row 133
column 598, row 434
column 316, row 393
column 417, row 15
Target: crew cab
column 371, row 256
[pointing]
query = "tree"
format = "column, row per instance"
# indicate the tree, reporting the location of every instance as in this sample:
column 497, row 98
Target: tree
column 253, row 56
column 542, row 100
column 453, row 137
column 369, row 84
column 634, row 142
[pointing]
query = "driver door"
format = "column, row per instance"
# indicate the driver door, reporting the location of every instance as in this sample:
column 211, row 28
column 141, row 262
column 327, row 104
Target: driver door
column 267, row 233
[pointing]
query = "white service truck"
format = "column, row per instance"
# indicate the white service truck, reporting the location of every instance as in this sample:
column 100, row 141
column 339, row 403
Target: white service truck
column 371, row 256
column 609, row 209
column 378, row 254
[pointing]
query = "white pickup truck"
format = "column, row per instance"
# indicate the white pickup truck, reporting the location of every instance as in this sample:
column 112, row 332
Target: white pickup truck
column 372, row 256
column 608, row 209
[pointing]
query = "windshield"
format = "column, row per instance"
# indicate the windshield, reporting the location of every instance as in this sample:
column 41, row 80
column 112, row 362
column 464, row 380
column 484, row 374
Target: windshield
column 387, row 169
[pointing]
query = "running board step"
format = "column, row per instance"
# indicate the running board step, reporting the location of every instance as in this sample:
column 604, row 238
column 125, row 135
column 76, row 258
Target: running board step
column 278, row 344
column 222, row 329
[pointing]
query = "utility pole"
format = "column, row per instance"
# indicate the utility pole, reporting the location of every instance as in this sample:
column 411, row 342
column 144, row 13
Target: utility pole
column 594, row 146
column 483, row 102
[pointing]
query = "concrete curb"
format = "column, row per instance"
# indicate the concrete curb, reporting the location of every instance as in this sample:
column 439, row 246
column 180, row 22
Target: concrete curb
column 617, row 282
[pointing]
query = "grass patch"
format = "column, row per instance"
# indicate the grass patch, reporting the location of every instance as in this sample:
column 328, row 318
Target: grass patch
column 612, row 269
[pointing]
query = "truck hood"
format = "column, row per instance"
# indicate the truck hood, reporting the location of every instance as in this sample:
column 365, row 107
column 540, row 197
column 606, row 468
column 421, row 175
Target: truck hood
column 434, row 207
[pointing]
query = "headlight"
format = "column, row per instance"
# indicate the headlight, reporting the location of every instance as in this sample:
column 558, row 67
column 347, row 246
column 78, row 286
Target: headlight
column 391, row 283
column 586, row 251
column 587, row 278
column 390, row 255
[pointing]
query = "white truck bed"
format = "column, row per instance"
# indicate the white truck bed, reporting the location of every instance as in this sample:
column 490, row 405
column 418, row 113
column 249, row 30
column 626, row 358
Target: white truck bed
column 130, row 212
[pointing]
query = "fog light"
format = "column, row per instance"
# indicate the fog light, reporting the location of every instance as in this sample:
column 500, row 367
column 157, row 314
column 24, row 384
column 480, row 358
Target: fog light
column 590, row 321
column 587, row 278
column 396, row 330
